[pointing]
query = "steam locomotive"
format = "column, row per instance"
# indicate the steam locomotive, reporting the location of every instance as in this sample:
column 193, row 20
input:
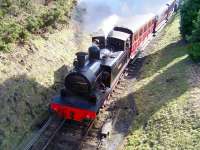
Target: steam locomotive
column 96, row 73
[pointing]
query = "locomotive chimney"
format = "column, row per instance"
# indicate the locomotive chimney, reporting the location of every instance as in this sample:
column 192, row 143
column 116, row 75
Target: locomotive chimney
column 81, row 59
column 94, row 53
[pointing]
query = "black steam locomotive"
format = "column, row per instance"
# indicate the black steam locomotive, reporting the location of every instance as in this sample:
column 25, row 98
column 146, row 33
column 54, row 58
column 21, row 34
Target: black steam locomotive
column 96, row 73
column 93, row 77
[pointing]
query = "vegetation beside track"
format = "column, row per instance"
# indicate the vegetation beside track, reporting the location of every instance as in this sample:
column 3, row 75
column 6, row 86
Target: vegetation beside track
column 190, row 26
column 31, row 75
column 22, row 18
column 166, row 95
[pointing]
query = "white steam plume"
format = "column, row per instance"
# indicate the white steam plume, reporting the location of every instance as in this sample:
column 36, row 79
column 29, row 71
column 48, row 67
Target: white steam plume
column 105, row 14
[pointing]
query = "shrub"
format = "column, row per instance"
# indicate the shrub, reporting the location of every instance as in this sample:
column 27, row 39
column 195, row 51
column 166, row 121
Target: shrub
column 11, row 32
column 190, row 27
column 2, row 14
column 23, row 35
column 32, row 20
column 34, row 23
column 4, row 47
column 51, row 17
column 195, row 37
column 5, row 3
column 189, row 13
column 194, row 52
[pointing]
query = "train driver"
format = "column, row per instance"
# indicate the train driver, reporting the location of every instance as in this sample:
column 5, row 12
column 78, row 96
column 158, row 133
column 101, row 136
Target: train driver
column 96, row 43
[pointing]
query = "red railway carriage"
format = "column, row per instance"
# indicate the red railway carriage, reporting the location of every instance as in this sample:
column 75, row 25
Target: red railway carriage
column 139, row 36
column 96, row 73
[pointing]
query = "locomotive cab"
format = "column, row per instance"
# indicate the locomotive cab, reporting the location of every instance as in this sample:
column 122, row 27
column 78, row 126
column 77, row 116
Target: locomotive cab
column 125, row 30
column 118, row 41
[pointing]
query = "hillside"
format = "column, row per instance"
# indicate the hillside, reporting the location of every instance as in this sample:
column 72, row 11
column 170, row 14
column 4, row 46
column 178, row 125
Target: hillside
column 21, row 19
column 38, row 42
column 166, row 95
column 30, row 74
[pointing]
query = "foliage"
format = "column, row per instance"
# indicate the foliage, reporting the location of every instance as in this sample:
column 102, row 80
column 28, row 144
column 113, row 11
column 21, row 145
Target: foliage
column 11, row 32
column 2, row 14
column 20, row 18
column 34, row 23
column 52, row 16
column 195, row 37
column 5, row 3
column 190, row 26
column 194, row 52
column 189, row 13
column 4, row 47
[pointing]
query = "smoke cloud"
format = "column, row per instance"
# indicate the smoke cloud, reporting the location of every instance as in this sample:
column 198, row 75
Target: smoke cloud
column 105, row 14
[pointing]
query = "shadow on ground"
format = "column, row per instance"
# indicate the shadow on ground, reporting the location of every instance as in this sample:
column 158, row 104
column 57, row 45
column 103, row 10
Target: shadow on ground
column 24, row 104
column 161, row 83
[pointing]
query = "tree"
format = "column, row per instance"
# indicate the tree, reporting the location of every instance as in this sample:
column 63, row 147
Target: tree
column 195, row 37
column 189, row 14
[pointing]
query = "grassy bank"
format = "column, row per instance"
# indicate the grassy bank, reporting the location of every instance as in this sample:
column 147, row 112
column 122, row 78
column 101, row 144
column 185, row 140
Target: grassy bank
column 31, row 75
column 20, row 19
column 164, row 94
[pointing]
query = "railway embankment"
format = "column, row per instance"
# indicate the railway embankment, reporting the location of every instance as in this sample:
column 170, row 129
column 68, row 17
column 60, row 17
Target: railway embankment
column 31, row 74
column 166, row 93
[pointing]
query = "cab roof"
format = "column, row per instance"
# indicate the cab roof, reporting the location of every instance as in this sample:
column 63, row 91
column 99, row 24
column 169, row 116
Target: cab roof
column 99, row 33
column 119, row 35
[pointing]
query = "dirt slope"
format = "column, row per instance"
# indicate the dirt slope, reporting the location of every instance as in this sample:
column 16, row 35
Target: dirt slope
column 31, row 75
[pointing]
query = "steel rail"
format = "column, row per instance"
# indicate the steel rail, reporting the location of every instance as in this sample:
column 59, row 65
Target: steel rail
column 38, row 135
column 53, row 135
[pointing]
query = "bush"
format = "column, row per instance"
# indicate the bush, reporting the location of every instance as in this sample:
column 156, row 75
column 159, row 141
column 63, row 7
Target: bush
column 31, row 20
column 189, row 13
column 52, row 16
column 195, row 37
column 5, row 3
column 34, row 23
column 2, row 14
column 194, row 52
column 190, row 27
column 23, row 35
column 4, row 47
column 12, row 31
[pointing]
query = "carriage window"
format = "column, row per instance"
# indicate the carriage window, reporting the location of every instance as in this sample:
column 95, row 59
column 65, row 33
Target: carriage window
column 136, row 37
column 149, row 23
column 141, row 31
column 146, row 27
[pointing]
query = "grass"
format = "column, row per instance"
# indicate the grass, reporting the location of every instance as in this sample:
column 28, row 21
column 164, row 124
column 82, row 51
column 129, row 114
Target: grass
column 162, row 93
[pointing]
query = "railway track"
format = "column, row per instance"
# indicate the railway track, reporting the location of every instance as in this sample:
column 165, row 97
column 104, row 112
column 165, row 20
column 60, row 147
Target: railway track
column 46, row 134
column 70, row 138
column 59, row 134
